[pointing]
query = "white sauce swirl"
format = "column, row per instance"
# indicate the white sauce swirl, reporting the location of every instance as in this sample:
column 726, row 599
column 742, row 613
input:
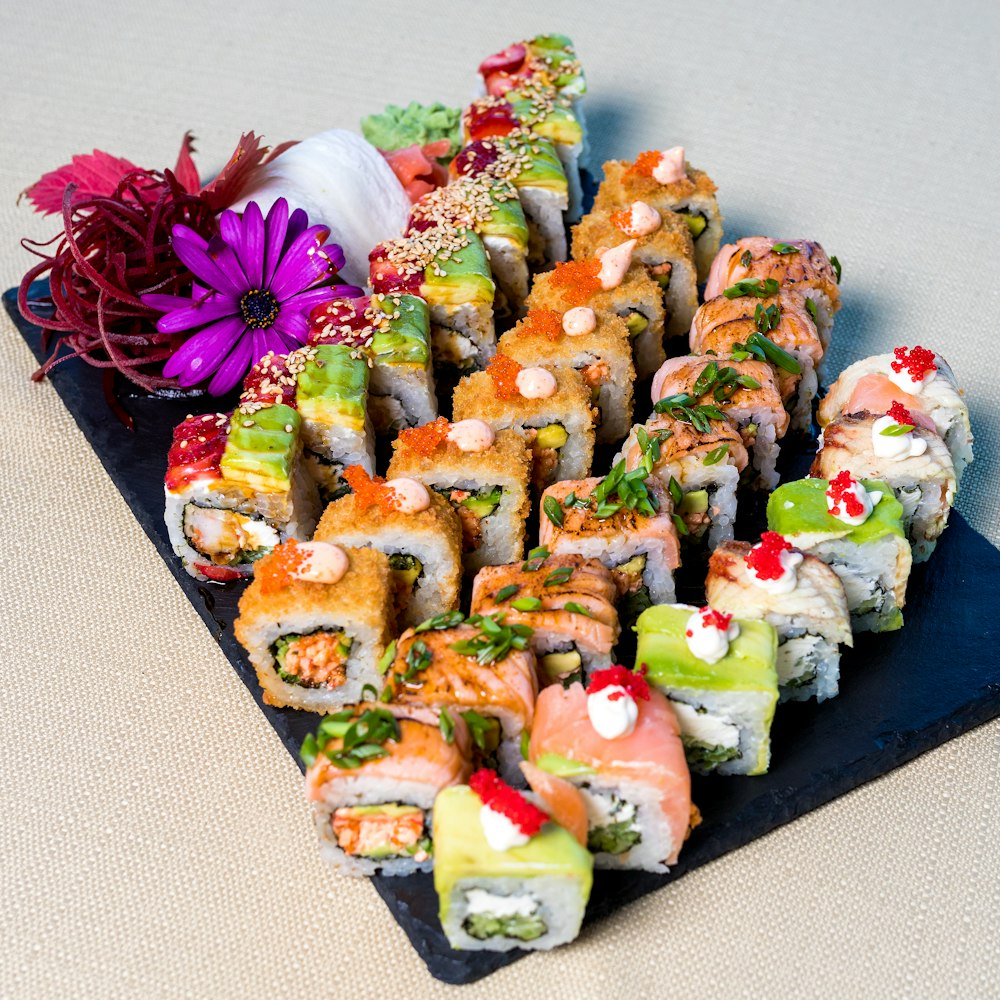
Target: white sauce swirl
column 578, row 321
column 500, row 832
column 324, row 563
column 895, row 446
column 471, row 435
column 409, row 495
column 789, row 579
column 535, row 383
column 643, row 219
column 612, row 718
column 868, row 501
column 706, row 640
column 614, row 263
column 913, row 386
column 671, row 167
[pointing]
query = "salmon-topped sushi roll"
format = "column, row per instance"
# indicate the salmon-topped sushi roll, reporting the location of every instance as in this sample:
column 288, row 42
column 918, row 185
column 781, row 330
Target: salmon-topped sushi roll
column 760, row 265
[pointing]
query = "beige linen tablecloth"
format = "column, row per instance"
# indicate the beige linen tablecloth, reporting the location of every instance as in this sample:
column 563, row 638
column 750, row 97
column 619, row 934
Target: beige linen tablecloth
column 154, row 840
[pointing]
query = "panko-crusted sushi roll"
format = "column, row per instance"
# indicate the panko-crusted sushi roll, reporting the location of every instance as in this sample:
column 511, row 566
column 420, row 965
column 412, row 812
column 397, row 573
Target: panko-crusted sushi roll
column 699, row 468
column 372, row 775
column 758, row 265
column 799, row 595
column 920, row 380
column 314, row 623
column 448, row 267
column 394, row 330
column 700, row 389
column 236, row 485
column 903, row 450
column 718, row 672
column 482, row 670
column 483, row 473
column 568, row 601
column 549, row 407
column 664, row 180
column 505, row 874
column 625, row 520
column 856, row 528
column 618, row 743
column 415, row 527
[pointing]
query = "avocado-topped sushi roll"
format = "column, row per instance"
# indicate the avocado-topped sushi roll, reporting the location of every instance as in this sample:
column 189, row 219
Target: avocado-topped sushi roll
column 758, row 265
column 568, row 601
column 483, row 473
column 394, row 330
column 549, row 407
column 373, row 773
column 718, row 672
column 505, row 874
column 482, row 670
column 415, row 527
column 618, row 742
column 856, row 528
column 699, row 466
column 448, row 267
column 236, row 485
column 916, row 377
column 664, row 180
column 548, row 58
column 903, row 450
column 799, row 595
column 314, row 623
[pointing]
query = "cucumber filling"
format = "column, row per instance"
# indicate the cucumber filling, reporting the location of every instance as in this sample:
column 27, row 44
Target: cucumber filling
column 315, row 659
column 799, row 659
column 226, row 537
column 637, row 323
column 406, row 570
column 697, row 223
column 705, row 757
column 612, row 826
column 709, row 740
column 483, row 926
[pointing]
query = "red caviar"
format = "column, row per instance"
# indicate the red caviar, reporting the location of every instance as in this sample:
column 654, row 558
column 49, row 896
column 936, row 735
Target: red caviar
column 900, row 413
column 425, row 440
column 764, row 559
column 577, row 281
column 541, row 323
column 645, row 164
column 279, row 568
column 717, row 619
column 618, row 676
column 504, row 371
column 918, row 362
column 369, row 491
column 500, row 797
column 196, row 452
column 842, row 491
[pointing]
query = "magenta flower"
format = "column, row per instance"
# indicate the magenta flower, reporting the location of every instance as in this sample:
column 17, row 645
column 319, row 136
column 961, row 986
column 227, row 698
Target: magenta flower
column 255, row 285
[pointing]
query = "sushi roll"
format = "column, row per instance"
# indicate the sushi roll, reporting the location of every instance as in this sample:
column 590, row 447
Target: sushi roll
column 700, row 468
column 903, row 450
column 549, row 407
column 799, row 595
column 505, row 874
column 547, row 58
column 699, row 389
column 373, row 773
column 856, row 528
column 314, row 623
column 236, row 485
column 718, row 672
column 568, row 601
column 618, row 743
column 481, row 670
column 394, row 330
column 483, row 473
column 757, row 265
column 774, row 329
column 916, row 377
column 415, row 527
column 448, row 267
column 666, row 182
column 625, row 520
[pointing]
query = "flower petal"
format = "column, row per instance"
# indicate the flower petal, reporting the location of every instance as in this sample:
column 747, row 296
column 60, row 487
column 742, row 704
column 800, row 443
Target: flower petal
column 230, row 228
column 225, row 256
column 275, row 228
column 197, row 260
column 298, row 222
column 202, row 354
column 252, row 248
column 336, row 254
column 165, row 303
column 292, row 322
column 207, row 311
column 302, row 265
column 182, row 232
column 232, row 370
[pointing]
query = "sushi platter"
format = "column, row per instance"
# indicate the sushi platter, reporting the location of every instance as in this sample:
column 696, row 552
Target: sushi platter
column 640, row 580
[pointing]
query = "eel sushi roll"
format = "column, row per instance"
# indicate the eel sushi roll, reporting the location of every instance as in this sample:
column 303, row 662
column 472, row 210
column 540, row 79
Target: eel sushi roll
column 799, row 595
column 699, row 389
column 395, row 332
column 718, row 672
column 549, row 407
column 415, row 527
column 777, row 329
column 506, row 875
column 617, row 742
column 314, row 623
column 373, row 773
column 664, row 180
column 483, row 473
column 236, row 485
column 856, row 528
column 625, row 521
column 664, row 248
column 916, row 377
column 700, row 469
column 568, row 601
column 757, row 265
column 599, row 351
column 482, row 671
column 447, row 267
column 900, row 449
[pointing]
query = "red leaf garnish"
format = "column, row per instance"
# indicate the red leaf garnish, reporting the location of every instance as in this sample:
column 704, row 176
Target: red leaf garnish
column 237, row 175
column 185, row 171
column 96, row 175
column 618, row 676
column 500, row 797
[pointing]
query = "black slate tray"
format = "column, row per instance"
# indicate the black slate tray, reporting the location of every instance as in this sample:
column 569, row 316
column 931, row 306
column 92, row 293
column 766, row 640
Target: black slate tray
column 901, row 694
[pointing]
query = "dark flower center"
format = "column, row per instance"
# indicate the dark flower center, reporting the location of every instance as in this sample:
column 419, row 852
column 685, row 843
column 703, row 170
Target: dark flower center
column 259, row 308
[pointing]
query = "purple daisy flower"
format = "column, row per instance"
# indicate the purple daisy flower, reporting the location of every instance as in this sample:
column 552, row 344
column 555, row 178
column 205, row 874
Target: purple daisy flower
column 255, row 285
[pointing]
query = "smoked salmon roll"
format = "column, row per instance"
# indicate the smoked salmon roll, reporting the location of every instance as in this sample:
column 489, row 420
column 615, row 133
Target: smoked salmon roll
column 618, row 742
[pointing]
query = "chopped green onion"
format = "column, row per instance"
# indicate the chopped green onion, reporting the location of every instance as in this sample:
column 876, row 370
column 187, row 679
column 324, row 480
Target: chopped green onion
column 747, row 382
column 716, row 454
column 374, row 690
column 385, row 660
column 558, row 576
column 309, row 750
column 836, row 267
column 447, row 726
column 447, row 619
column 811, row 308
column 576, row 609
column 896, row 430
column 775, row 354
column 539, row 552
column 676, row 493
column 527, row 604
column 505, row 592
column 746, row 258
column 553, row 511
column 785, row 248
column 705, row 380
column 682, row 528
column 752, row 286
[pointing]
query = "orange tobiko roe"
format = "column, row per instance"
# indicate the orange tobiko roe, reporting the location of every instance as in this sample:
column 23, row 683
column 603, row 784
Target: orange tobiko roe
column 645, row 164
column 504, row 371
column 369, row 491
column 577, row 281
column 426, row 439
column 279, row 568
column 541, row 323
column 623, row 221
